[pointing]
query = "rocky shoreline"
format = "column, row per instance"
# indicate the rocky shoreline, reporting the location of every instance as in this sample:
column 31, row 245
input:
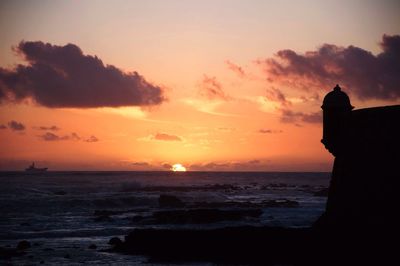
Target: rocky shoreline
column 249, row 245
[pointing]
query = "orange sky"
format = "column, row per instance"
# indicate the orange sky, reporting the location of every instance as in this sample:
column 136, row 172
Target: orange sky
column 230, row 99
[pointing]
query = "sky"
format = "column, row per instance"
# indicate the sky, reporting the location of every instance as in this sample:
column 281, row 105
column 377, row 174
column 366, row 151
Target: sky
column 213, row 85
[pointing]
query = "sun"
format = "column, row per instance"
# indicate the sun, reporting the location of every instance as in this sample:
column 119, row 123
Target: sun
column 178, row 168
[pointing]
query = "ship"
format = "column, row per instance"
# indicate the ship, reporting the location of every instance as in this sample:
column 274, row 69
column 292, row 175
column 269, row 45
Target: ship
column 33, row 169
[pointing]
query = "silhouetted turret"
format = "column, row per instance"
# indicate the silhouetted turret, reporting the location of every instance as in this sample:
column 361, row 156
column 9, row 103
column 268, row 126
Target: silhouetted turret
column 336, row 111
column 365, row 176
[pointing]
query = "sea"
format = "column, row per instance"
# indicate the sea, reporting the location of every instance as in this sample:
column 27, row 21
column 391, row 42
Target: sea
column 69, row 217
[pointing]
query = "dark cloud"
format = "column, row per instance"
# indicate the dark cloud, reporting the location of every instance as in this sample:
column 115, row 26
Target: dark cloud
column 362, row 73
column 167, row 166
column 211, row 88
column 312, row 98
column 92, row 139
column 276, row 95
column 166, row 137
column 48, row 136
column 50, row 128
column 3, row 127
column 212, row 166
column 141, row 164
column 16, row 126
column 289, row 116
column 236, row 68
column 269, row 131
column 62, row 76
column 252, row 165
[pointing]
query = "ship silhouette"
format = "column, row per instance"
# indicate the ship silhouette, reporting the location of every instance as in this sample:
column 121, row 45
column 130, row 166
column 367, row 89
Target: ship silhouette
column 34, row 169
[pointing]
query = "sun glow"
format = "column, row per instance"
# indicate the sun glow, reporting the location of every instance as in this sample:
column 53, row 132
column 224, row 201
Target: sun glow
column 178, row 168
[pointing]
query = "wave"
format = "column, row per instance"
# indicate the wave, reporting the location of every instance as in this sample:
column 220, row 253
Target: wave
column 66, row 233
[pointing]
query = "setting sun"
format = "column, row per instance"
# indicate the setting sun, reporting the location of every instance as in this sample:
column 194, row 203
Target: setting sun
column 178, row 168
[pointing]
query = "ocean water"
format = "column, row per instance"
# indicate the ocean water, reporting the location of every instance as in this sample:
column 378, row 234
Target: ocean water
column 63, row 213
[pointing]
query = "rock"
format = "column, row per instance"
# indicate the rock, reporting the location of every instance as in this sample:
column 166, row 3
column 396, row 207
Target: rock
column 203, row 216
column 137, row 218
column 25, row 224
column 224, row 204
column 92, row 246
column 7, row 253
column 41, row 262
column 226, row 246
column 251, row 245
column 166, row 189
column 103, row 218
column 67, row 256
column 280, row 203
column 115, row 241
column 23, row 245
column 60, row 193
column 169, row 201
column 106, row 212
column 321, row 193
column 117, row 212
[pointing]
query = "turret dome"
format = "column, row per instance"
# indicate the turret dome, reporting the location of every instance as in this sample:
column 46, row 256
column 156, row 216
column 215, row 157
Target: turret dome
column 337, row 99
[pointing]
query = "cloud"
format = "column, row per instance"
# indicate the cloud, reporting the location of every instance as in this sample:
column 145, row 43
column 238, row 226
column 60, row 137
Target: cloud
column 252, row 165
column 362, row 73
column 141, row 164
column 312, row 98
column 16, row 126
column 276, row 95
column 211, row 89
column 48, row 136
column 92, row 139
column 62, row 76
column 161, row 137
column 166, row 166
column 50, row 128
column 275, row 99
column 269, row 131
column 3, row 127
column 166, row 137
column 236, row 68
column 289, row 116
column 212, row 166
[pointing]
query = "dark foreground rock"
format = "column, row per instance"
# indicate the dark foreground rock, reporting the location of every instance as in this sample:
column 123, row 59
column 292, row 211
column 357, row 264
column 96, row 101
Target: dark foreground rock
column 201, row 216
column 8, row 253
column 275, row 203
column 321, row 193
column 260, row 246
column 60, row 193
column 115, row 241
column 23, row 245
column 169, row 201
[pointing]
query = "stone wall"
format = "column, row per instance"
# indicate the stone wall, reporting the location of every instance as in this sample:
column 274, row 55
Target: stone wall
column 364, row 189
